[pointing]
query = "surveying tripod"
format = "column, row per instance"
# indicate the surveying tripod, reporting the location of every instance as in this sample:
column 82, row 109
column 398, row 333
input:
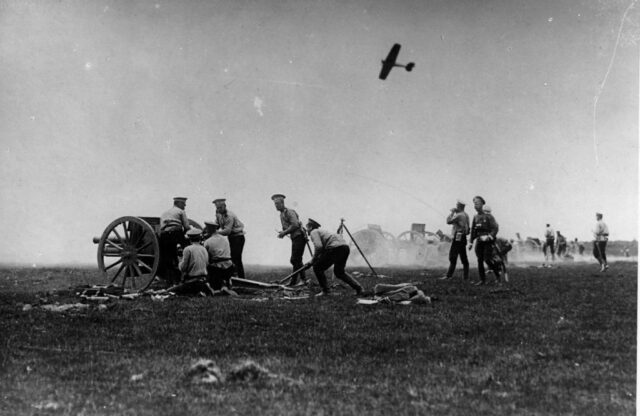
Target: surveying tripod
column 344, row 227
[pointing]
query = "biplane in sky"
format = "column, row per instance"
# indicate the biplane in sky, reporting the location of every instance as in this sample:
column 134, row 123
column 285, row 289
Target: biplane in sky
column 390, row 62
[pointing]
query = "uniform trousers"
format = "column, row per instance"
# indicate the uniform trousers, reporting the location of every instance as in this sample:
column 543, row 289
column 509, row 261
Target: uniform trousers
column 168, row 265
column 485, row 253
column 298, row 244
column 336, row 257
column 600, row 251
column 236, row 245
column 549, row 244
column 458, row 248
column 218, row 277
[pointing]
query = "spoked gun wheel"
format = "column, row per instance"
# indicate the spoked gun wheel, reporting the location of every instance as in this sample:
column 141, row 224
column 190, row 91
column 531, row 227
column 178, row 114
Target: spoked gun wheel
column 129, row 253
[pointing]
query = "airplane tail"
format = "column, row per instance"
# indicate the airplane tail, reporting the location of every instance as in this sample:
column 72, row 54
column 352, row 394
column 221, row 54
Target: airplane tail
column 410, row 66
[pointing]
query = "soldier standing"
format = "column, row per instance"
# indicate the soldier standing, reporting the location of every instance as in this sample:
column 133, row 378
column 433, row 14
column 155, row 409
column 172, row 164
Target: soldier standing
column 562, row 245
column 233, row 229
column 600, row 238
column 173, row 226
column 549, row 243
column 484, row 230
column 459, row 221
column 292, row 227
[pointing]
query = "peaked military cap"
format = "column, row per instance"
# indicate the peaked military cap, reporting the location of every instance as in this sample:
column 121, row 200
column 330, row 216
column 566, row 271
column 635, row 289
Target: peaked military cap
column 215, row 201
column 179, row 199
column 194, row 232
column 277, row 196
column 313, row 223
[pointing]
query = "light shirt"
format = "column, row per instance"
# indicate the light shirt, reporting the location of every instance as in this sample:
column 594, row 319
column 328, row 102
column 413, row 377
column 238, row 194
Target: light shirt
column 194, row 260
column 601, row 231
column 174, row 219
column 459, row 223
column 217, row 246
column 289, row 217
column 549, row 234
column 229, row 224
column 324, row 240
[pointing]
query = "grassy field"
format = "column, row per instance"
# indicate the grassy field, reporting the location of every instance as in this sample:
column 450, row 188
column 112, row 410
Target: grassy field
column 560, row 341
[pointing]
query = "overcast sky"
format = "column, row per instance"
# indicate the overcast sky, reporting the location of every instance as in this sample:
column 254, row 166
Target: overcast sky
column 111, row 108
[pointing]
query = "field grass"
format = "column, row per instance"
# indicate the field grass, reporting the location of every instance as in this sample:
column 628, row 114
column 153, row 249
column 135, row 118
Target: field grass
column 561, row 341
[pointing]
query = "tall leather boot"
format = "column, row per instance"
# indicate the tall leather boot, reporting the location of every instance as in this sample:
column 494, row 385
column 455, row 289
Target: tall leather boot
column 355, row 285
column 322, row 280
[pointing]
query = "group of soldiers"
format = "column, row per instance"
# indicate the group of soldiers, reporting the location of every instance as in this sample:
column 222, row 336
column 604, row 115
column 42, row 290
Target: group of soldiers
column 556, row 244
column 214, row 255
column 492, row 250
column 489, row 248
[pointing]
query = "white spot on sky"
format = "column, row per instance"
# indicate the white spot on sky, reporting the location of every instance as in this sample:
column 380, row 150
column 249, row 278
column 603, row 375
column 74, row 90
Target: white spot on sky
column 106, row 8
column 88, row 66
column 257, row 103
column 532, row 186
column 221, row 132
column 32, row 117
column 290, row 61
column 157, row 6
column 546, row 84
column 225, row 70
column 550, row 19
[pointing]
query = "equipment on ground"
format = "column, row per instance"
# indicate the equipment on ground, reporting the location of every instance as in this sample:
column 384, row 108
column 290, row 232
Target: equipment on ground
column 129, row 251
column 290, row 275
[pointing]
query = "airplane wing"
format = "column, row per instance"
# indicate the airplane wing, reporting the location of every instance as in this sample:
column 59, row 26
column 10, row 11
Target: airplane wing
column 386, row 68
column 388, row 63
column 393, row 54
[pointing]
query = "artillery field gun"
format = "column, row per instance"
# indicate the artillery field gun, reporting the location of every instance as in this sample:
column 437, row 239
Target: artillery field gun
column 415, row 247
column 129, row 251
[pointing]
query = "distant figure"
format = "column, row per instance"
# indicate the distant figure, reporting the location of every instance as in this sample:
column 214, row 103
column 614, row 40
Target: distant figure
column 292, row 227
column 562, row 245
column 220, row 266
column 459, row 221
column 484, row 230
column 502, row 247
column 232, row 228
column 573, row 246
column 330, row 249
column 194, row 257
column 600, row 238
column 549, row 243
column 173, row 225
column 580, row 248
